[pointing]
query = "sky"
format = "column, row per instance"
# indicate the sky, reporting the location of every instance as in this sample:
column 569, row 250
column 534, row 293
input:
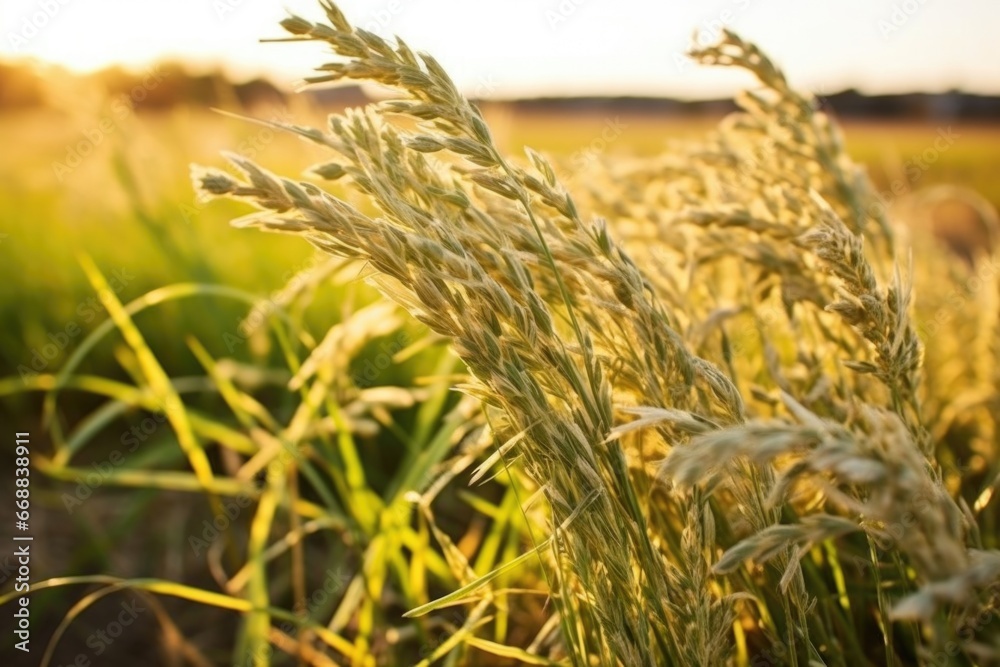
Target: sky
column 512, row 48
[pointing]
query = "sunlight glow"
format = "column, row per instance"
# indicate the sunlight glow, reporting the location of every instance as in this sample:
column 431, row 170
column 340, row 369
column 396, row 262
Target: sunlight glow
column 527, row 47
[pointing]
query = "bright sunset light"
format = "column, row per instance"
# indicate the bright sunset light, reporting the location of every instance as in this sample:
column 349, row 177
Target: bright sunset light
column 529, row 47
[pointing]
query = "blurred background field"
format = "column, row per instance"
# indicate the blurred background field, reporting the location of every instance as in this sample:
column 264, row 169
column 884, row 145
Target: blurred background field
column 131, row 207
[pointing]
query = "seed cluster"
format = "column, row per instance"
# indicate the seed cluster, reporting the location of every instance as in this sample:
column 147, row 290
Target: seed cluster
column 706, row 363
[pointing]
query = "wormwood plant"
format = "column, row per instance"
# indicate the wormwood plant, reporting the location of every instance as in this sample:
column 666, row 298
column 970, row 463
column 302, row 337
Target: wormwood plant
column 705, row 363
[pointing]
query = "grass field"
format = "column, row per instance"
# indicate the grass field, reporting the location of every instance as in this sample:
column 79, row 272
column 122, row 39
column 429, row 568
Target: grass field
column 361, row 507
column 130, row 205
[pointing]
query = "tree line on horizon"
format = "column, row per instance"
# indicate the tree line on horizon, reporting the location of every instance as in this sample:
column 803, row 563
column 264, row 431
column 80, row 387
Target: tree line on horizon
column 24, row 87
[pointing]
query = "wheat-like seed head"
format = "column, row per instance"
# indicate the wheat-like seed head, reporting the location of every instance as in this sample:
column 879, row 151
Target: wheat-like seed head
column 805, row 431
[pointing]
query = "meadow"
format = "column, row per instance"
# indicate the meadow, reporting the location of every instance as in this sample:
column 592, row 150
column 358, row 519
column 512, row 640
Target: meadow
column 147, row 221
column 739, row 424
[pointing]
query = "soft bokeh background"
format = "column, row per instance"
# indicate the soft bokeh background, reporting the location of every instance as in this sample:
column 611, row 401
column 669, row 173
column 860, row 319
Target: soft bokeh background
column 104, row 104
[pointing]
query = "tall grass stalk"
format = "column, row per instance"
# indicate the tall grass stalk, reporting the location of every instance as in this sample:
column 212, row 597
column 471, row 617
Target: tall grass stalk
column 705, row 494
